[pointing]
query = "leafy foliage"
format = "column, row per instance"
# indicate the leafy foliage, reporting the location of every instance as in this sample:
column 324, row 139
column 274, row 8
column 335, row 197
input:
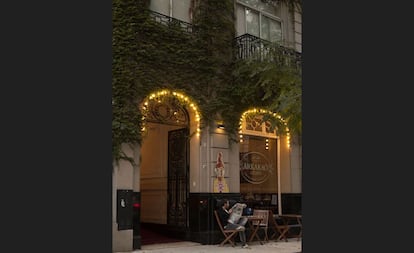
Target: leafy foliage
column 149, row 56
column 275, row 87
column 126, row 87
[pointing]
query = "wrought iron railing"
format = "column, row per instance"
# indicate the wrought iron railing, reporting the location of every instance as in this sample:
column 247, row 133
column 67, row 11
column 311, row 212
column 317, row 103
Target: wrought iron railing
column 169, row 21
column 247, row 46
column 251, row 47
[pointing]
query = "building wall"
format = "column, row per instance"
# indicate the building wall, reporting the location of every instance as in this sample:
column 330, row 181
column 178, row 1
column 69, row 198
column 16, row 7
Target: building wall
column 298, row 31
column 199, row 170
column 296, row 166
column 203, row 150
column 125, row 177
column 196, row 155
column 219, row 143
column 292, row 27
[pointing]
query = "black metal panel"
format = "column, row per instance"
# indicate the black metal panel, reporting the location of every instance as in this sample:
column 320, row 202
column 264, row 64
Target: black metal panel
column 203, row 225
column 124, row 209
column 292, row 203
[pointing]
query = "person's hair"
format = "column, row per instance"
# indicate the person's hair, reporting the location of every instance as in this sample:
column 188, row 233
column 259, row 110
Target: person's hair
column 223, row 202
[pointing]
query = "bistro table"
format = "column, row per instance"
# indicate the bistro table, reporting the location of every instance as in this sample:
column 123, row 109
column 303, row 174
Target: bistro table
column 254, row 223
column 292, row 220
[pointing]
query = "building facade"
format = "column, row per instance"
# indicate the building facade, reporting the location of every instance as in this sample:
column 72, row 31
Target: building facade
column 202, row 141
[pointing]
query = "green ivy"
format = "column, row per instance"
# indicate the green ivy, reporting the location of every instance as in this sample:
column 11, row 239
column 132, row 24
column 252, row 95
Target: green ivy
column 149, row 56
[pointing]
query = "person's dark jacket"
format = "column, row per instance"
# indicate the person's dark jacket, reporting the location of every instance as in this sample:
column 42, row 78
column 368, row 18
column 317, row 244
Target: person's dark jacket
column 224, row 216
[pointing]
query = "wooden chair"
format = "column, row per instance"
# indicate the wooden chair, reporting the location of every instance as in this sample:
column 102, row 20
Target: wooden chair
column 278, row 229
column 264, row 223
column 293, row 221
column 229, row 234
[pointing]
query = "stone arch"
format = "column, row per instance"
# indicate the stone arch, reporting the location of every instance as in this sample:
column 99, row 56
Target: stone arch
column 171, row 107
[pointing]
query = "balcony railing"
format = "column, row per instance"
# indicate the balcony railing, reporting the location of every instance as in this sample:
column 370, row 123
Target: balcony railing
column 251, row 47
column 170, row 21
column 247, row 46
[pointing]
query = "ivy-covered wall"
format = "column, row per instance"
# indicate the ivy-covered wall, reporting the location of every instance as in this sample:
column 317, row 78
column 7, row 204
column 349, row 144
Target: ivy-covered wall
column 149, row 56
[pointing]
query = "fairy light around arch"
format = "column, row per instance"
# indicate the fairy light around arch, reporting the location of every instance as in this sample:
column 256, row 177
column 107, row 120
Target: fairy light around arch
column 263, row 111
column 183, row 99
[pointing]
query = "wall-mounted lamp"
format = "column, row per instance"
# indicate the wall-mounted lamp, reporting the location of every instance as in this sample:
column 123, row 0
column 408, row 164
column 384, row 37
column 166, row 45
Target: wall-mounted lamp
column 220, row 126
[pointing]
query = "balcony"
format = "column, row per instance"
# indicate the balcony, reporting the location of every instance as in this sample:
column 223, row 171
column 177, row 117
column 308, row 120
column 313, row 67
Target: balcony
column 247, row 46
column 169, row 21
column 251, row 47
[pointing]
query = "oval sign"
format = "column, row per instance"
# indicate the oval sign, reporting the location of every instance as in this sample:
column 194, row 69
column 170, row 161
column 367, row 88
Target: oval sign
column 255, row 168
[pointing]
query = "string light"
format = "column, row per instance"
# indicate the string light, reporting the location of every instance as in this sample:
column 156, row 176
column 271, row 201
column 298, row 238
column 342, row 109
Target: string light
column 263, row 111
column 157, row 96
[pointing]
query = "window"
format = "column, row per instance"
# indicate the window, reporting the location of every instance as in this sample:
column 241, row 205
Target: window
column 258, row 156
column 259, row 18
column 179, row 9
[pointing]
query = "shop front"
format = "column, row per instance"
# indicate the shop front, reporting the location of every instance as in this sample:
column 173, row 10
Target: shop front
column 180, row 173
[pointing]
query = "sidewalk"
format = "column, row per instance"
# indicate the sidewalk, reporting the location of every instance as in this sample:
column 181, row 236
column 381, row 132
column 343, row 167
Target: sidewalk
column 292, row 246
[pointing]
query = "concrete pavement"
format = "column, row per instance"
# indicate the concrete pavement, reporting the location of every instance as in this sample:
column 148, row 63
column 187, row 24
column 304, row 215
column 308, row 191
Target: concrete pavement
column 291, row 246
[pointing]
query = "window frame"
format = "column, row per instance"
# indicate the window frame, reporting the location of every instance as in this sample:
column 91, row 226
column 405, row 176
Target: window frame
column 171, row 10
column 264, row 13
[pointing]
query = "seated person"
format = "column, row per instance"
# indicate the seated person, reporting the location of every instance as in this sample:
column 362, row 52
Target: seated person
column 231, row 219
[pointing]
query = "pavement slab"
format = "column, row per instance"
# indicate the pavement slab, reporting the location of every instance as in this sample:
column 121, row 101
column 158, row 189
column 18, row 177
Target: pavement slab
column 291, row 246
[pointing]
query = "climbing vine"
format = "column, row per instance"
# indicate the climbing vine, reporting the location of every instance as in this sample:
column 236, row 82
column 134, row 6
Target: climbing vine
column 149, row 56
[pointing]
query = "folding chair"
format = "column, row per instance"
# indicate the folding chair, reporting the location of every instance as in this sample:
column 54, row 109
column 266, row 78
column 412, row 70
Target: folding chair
column 264, row 223
column 278, row 229
column 229, row 234
column 293, row 221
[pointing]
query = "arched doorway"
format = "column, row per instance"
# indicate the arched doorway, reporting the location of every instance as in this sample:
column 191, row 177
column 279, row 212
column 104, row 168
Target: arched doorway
column 164, row 167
